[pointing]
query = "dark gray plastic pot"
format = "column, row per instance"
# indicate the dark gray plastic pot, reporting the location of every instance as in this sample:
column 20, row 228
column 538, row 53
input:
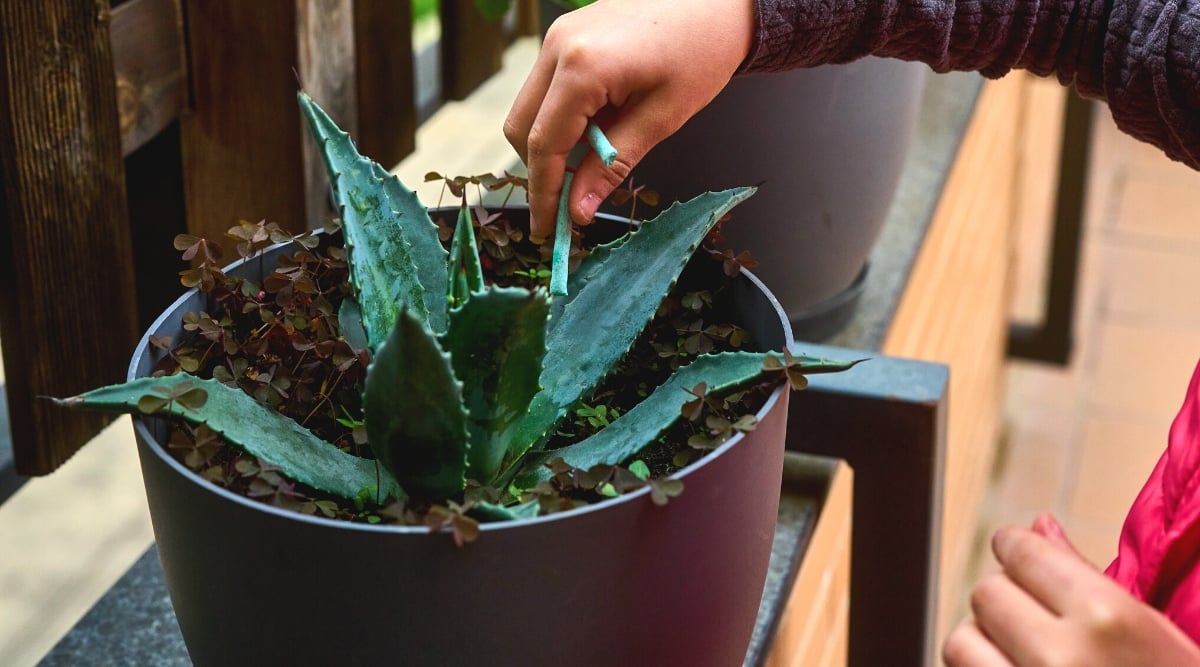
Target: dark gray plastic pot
column 827, row 146
column 625, row 582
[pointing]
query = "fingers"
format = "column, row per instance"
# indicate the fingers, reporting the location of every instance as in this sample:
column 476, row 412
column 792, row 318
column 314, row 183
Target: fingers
column 594, row 182
column 968, row 647
column 1055, row 577
column 639, row 127
column 1013, row 620
column 557, row 130
column 546, row 121
column 643, row 63
column 1051, row 607
column 1049, row 527
column 524, row 109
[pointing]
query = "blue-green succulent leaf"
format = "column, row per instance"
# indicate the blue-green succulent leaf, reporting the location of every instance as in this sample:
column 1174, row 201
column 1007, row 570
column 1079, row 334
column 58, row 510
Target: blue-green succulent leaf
column 415, row 420
column 395, row 254
column 254, row 427
column 638, row 427
column 487, row 512
column 496, row 343
column 466, row 273
column 612, row 308
column 632, row 431
column 350, row 324
column 589, row 267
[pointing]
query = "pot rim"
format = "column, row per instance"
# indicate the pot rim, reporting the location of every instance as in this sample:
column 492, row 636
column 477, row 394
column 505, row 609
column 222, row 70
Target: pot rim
column 144, row 433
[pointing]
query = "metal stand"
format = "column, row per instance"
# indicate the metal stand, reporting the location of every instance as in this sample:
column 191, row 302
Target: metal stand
column 1051, row 339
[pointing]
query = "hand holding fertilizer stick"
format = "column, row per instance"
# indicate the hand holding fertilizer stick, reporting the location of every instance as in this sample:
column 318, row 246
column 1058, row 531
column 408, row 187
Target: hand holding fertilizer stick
column 562, row 229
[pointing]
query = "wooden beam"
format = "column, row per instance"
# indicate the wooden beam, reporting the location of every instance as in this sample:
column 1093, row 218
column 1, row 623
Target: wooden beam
column 150, row 61
column 67, row 316
column 326, row 44
column 241, row 143
column 814, row 627
column 528, row 19
column 472, row 48
column 387, row 107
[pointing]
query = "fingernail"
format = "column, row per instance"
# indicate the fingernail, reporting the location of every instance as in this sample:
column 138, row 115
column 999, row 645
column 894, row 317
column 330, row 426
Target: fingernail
column 1047, row 526
column 589, row 206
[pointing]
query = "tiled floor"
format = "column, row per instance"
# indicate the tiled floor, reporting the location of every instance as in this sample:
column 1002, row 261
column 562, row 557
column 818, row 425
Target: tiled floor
column 1079, row 441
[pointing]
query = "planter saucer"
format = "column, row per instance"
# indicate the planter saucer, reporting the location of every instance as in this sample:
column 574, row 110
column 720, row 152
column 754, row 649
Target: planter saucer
column 818, row 322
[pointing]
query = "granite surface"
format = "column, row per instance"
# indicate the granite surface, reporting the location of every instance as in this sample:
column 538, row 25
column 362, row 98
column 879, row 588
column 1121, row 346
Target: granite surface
column 134, row 624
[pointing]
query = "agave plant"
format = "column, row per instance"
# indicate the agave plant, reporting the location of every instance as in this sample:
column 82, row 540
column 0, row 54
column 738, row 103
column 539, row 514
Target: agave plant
column 467, row 381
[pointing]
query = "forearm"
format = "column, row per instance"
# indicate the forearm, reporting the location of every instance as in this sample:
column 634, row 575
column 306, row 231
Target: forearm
column 1140, row 56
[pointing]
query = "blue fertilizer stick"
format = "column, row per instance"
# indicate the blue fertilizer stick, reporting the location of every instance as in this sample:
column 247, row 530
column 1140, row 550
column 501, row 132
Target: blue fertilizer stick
column 562, row 242
column 601, row 144
column 562, row 228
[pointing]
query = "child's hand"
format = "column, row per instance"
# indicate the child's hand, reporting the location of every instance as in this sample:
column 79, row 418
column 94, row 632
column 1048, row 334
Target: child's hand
column 1052, row 607
column 641, row 68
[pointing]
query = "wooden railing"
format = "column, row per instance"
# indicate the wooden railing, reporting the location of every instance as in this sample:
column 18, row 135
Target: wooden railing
column 122, row 126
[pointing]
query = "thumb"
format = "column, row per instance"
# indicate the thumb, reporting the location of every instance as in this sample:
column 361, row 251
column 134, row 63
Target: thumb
column 638, row 128
column 593, row 183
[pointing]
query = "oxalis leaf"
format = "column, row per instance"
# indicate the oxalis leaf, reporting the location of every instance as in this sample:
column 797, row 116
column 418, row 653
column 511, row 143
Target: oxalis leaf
column 496, row 343
column 395, row 255
column 633, row 430
column 254, row 427
column 615, row 302
column 415, row 420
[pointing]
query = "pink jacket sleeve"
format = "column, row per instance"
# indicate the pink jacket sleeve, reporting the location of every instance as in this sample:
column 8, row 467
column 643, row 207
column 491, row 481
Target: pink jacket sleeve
column 1142, row 56
column 1158, row 559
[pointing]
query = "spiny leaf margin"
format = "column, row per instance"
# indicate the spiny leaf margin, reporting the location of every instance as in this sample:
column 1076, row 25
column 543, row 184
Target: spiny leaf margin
column 236, row 416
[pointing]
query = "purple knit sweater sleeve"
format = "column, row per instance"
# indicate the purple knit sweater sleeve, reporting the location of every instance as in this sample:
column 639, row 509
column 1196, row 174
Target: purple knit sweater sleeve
column 1142, row 56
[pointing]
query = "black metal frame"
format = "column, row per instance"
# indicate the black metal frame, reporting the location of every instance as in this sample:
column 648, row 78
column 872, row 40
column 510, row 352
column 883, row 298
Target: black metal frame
column 1052, row 339
column 887, row 419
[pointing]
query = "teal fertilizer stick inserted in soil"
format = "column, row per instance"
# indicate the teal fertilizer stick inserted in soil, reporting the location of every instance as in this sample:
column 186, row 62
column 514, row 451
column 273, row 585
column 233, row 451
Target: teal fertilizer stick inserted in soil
column 562, row 228
column 562, row 242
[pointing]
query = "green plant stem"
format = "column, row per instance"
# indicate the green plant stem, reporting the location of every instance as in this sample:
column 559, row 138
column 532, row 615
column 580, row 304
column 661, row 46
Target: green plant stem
column 562, row 242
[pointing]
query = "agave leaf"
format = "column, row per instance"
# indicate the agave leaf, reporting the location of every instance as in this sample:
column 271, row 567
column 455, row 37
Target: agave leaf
column 588, row 269
column 350, row 324
column 395, row 254
column 612, row 308
column 254, row 427
column 496, row 343
column 465, row 271
column 632, row 431
column 412, row 405
column 486, row 511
